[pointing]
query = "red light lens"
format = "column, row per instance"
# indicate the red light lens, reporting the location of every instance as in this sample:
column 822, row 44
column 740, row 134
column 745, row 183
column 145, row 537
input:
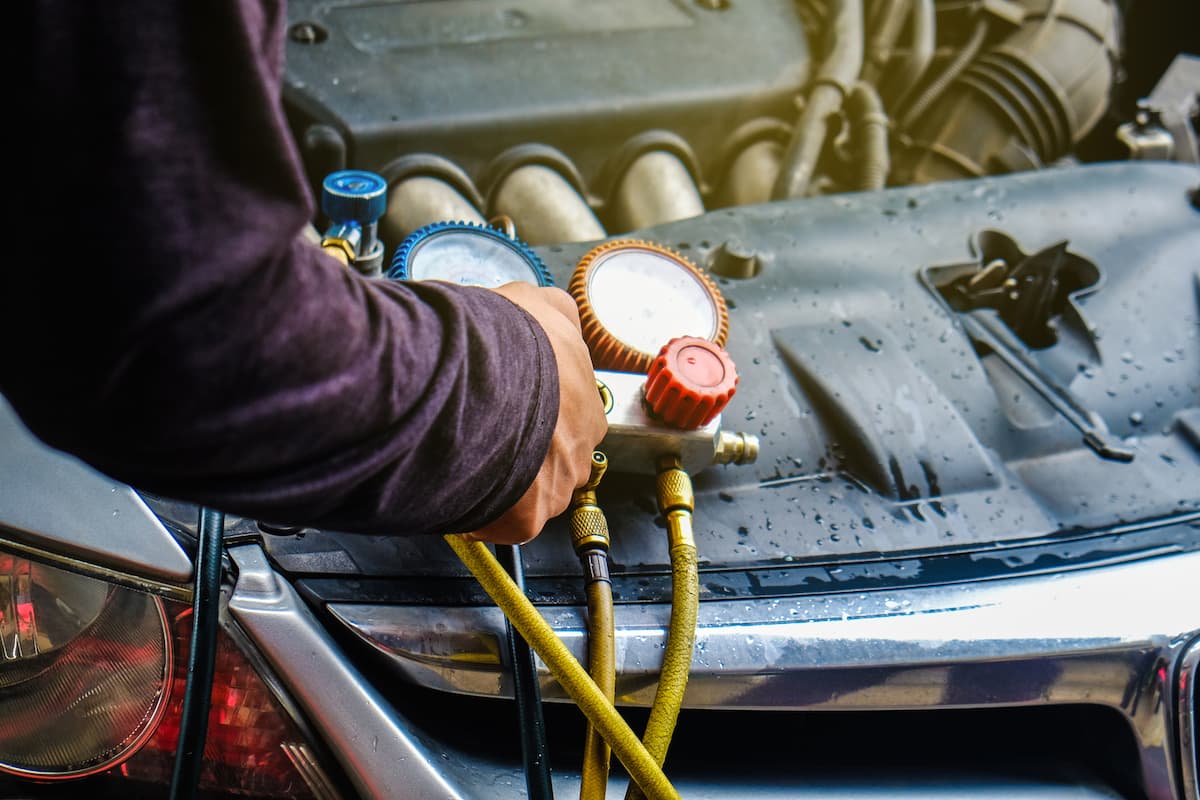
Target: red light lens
column 92, row 680
column 253, row 748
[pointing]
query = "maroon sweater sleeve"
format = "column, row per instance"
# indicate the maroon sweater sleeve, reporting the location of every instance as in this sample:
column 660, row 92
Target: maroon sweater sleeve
column 168, row 326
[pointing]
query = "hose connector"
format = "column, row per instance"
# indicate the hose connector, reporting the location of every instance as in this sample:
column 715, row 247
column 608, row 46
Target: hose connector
column 587, row 524
column 676, row 501
column 354, row 200
column 735, row 448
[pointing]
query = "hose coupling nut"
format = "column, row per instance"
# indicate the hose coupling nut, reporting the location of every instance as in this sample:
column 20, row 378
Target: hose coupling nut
column 589, row 529
column 674, row 487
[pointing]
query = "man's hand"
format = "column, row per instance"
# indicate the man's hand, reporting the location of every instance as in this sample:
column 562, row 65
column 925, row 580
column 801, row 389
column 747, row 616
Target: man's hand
column 581, row 421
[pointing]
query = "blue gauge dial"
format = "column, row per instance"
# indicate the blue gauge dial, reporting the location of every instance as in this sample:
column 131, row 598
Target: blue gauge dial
column 467, row 254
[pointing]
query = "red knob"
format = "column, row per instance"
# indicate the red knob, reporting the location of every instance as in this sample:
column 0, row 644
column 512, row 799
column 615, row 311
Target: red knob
column 689, row 382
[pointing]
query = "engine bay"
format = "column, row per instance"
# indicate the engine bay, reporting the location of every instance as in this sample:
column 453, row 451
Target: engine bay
column 946, row 377
column 899, row 444
column 580, row 120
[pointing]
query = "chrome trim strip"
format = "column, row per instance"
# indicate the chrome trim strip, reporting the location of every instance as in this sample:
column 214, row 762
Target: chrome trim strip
column 54, row 503
column 380, row 752
column 168, row 590
column 1189, row 724
column 1105, row 636
column 310, row 771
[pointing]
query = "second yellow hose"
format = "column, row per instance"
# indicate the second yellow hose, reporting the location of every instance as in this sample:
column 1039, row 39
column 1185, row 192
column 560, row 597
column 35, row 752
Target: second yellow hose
column 602, row 666
column 676, row 501
column 589, row 537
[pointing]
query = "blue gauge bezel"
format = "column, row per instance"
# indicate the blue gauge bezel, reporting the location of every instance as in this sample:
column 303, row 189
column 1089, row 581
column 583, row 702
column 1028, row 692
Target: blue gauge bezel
column 399, row 269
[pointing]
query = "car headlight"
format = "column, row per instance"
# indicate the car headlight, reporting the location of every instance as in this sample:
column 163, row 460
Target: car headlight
column 91, row 694
column 85, row 670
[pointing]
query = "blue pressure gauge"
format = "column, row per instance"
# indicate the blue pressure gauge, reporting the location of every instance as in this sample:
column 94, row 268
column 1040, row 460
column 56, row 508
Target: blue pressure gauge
column 467, row 254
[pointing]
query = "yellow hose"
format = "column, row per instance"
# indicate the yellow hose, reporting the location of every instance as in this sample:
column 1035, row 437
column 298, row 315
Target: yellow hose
column 676, row 501
column 641, row 766
column 589, row 537
column 602, row 666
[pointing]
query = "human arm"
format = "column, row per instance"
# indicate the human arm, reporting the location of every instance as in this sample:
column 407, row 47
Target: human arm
column 190, row 344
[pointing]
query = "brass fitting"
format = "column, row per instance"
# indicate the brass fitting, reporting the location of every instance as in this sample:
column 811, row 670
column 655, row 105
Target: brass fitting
column 588, row 526
column 674, row 486
column 676, row 501
column 736, row 448
column 339, row 249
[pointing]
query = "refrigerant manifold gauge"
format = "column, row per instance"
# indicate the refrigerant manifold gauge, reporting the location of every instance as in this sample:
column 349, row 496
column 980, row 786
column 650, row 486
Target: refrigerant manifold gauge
column 467, row 254
column 634, row 296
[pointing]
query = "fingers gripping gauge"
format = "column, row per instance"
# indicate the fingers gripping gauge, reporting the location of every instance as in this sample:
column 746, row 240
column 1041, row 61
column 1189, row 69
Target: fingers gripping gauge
column 467, row 254
column 634, row 296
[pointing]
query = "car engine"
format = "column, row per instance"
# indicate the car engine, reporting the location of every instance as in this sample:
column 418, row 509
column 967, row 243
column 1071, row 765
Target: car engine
column 942, row 541
column 580, row 119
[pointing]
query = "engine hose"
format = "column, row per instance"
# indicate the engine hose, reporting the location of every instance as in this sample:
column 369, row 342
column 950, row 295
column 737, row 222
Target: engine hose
column 933, row 91
column 869, row 128
column 527, row 693
column 908, row 73
column 676, row 501
column 197, row 695
column 884, row 25
column 574, row 680
column 838, row 72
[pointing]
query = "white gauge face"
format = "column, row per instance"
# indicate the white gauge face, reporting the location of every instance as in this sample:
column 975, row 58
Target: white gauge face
column 468, row 259
column 645, row 299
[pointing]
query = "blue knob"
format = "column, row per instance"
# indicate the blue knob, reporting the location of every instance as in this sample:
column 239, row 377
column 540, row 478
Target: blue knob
column 354, row 195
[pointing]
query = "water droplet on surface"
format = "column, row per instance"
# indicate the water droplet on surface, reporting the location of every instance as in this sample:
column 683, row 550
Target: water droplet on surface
column 1135, row 418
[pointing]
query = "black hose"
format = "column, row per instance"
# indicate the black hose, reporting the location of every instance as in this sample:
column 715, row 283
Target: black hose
column 197, row 695
column 837, row 73
column 934, row 90
column 869, row 131
column 527, row 692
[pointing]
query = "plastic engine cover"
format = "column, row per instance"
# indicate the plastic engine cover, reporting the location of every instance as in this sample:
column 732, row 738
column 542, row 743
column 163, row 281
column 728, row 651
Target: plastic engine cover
column 896, row 447
column 468, row 79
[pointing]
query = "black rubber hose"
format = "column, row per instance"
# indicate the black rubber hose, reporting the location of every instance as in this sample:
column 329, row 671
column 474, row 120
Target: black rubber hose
column 934, row 90
column 869, row 131
column 197, row 695
column 527, row 692
column 838, row 72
